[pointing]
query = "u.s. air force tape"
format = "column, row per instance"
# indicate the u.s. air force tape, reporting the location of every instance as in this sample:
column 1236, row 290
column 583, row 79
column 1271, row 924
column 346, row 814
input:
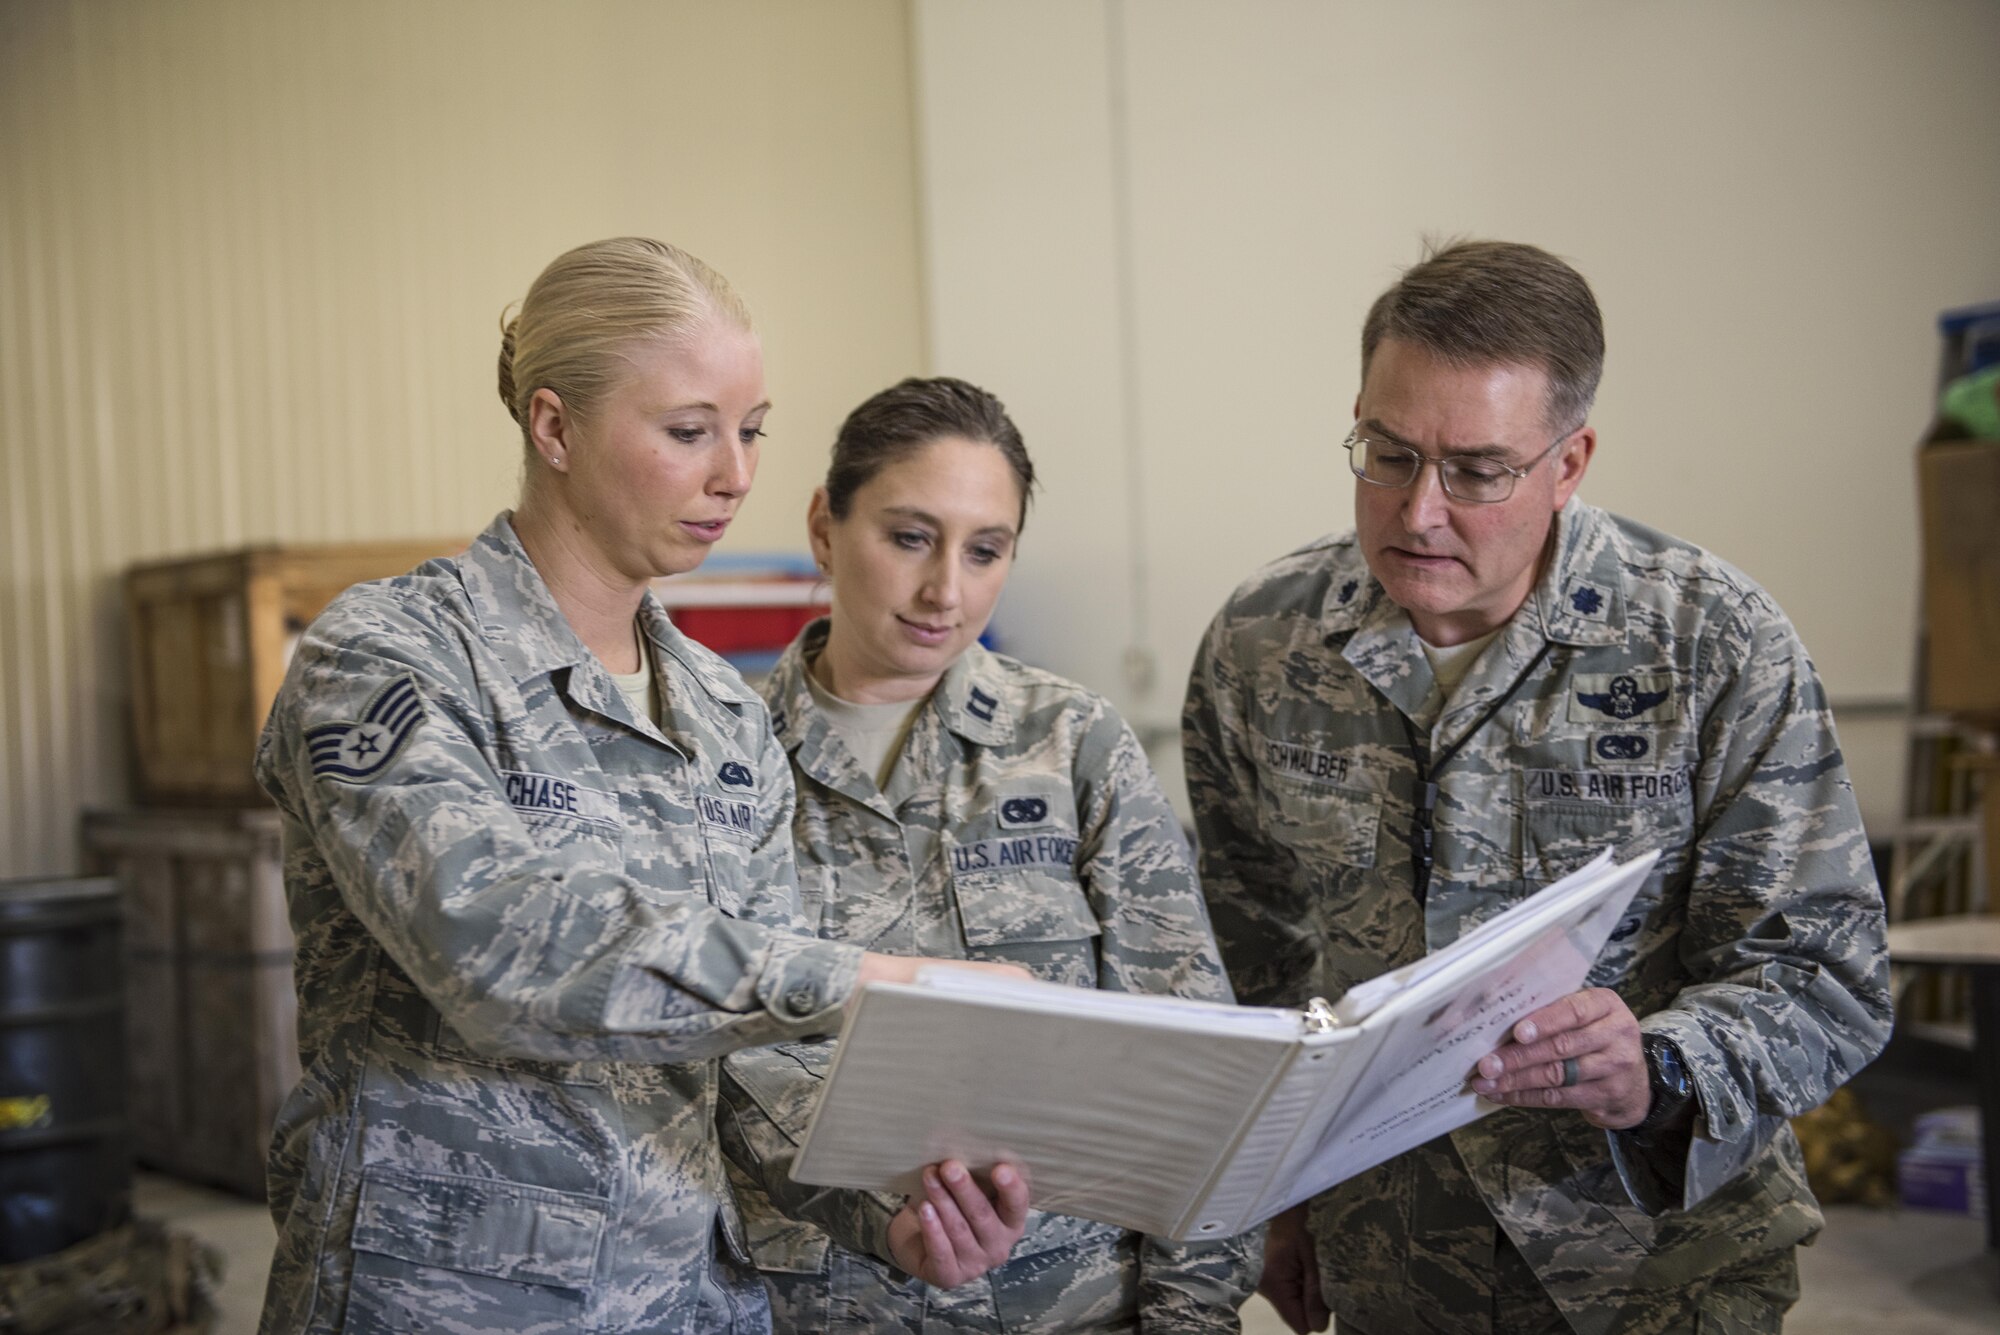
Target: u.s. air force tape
column 356, row 752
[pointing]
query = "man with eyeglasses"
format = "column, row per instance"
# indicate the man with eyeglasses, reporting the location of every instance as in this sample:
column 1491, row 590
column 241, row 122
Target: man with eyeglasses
column 1395, row 733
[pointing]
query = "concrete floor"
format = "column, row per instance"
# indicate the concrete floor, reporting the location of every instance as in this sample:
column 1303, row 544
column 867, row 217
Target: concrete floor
column 1906, row 1271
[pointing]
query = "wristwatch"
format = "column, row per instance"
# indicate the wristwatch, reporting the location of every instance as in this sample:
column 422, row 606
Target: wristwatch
column 1667, row 1078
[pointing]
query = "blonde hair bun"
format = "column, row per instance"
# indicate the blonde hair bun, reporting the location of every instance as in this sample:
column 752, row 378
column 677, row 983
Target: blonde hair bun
column 590, row 305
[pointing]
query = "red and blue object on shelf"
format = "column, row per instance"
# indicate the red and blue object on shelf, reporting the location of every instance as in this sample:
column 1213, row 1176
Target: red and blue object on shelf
column 746, row 607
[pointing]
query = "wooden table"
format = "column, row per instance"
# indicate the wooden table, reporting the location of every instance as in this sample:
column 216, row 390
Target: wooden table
column 1971, row 942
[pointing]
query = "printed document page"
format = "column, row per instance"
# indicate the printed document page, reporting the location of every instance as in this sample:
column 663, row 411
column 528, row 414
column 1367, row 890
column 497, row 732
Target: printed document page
column 1444, row 1018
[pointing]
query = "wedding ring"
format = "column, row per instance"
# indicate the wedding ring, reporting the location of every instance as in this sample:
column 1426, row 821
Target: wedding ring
column 1569, row 1071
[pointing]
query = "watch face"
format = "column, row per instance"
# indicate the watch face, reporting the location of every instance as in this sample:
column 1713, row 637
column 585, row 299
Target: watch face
column 1667, row 1063
column 1668, row 1078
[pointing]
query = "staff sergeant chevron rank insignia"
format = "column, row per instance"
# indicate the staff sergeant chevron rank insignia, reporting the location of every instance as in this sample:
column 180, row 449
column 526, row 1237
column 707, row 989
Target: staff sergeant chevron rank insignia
column 354, row 752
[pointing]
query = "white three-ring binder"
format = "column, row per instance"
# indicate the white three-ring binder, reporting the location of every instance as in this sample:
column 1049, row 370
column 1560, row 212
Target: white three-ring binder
column 1188, row 1119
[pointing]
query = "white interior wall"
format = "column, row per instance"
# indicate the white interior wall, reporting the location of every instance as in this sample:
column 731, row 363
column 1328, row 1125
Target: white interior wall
column 1154, row 230
column 253, row 258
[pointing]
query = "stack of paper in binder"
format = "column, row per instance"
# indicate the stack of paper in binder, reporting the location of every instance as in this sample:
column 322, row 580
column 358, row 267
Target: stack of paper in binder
column 1187, row 1119
column 745, row 607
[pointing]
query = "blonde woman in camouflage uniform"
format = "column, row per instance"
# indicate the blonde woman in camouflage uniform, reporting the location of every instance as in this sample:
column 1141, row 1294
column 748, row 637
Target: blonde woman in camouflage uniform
column 956, row 802
column 538, row 855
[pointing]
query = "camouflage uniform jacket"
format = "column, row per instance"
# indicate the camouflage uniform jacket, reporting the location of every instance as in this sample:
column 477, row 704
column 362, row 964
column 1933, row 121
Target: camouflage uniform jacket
column 1023, row 824
column 528, row 921
column 1649, row 697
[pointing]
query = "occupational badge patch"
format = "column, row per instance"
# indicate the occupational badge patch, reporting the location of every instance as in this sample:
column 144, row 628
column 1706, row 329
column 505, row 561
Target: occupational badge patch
column 1020, row 812
column 356, row 752
column 735, row 775
column 1621, row 746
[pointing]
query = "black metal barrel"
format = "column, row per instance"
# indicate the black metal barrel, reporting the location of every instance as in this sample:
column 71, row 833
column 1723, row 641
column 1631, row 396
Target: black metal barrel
column 65, row 1147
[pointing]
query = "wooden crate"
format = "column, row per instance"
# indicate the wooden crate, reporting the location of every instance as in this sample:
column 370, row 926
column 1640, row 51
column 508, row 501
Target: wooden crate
column 209, row 639
column 212, row 1018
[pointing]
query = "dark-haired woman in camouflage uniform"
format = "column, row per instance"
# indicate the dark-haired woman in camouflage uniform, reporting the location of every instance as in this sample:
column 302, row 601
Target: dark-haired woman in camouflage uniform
column 955, row 802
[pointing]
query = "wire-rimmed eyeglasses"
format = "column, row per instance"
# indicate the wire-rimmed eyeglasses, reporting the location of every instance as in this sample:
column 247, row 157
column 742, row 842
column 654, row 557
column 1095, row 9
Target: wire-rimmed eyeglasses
column 1470, row 477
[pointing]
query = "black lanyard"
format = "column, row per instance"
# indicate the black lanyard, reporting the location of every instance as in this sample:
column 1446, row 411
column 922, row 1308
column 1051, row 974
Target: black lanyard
column 1422, row 840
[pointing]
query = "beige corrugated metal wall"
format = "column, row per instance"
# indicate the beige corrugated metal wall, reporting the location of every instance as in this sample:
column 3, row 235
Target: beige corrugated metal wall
column 253, row 256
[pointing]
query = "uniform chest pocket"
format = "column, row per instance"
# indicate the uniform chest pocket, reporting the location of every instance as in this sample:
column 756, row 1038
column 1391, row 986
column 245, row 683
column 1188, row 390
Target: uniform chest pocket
column 728, row 833
column 1569, row 817
column 1322, row 826
column 579, row 843
column 572, row 821
column 1001, row 908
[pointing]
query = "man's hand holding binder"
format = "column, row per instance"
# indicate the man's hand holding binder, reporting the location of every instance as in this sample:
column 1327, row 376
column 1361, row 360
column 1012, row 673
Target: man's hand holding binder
column 1583, row 1053
column 1593, row 1028
column 1290, row 1282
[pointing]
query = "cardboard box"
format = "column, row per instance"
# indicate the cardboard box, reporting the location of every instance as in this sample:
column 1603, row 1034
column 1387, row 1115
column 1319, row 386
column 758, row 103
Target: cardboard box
column 1941, row 1179
column 1942, row 1169
column 1959, row 490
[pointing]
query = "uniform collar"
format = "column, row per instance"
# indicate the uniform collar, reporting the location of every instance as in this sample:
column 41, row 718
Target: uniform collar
column 804, row 731
column 717, row 678
column 517, row 613
column 1353, row 596
column 1579, row 599
column 971, row 698
column 793, row 717
column 528, row 632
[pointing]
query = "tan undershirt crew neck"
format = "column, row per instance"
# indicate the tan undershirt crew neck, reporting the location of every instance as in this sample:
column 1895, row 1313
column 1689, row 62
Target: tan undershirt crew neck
column 641, row 688
column 874, row 733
